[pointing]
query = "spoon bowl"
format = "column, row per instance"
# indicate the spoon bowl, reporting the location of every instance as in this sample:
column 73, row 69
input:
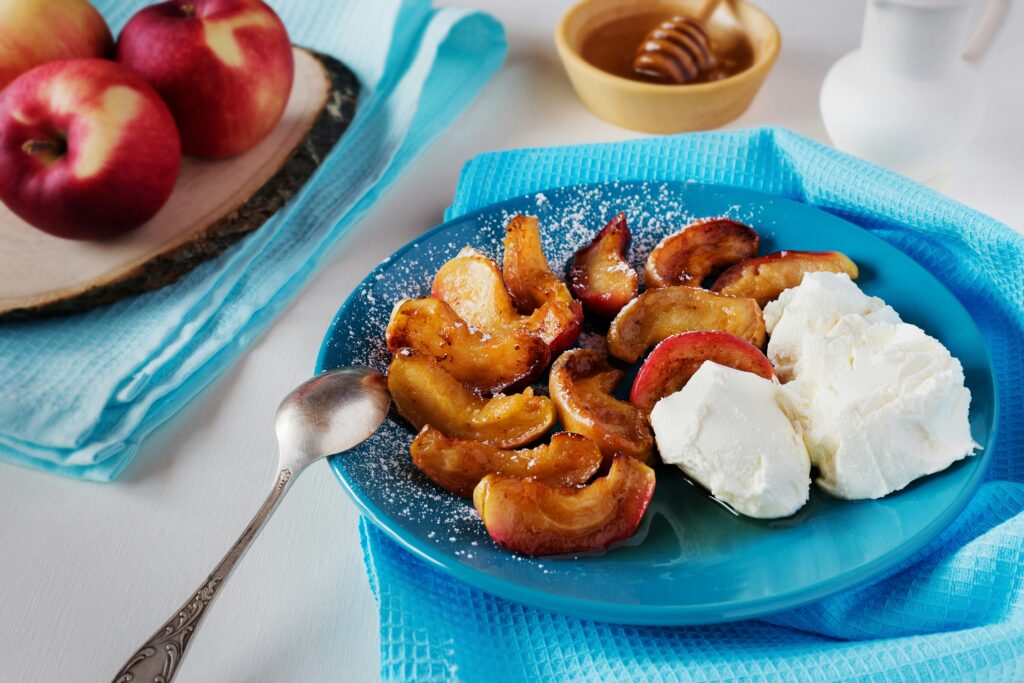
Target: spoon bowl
column 330, row 414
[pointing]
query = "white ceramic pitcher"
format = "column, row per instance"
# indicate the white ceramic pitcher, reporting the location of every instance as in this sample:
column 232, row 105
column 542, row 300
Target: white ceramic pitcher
column 910, row 98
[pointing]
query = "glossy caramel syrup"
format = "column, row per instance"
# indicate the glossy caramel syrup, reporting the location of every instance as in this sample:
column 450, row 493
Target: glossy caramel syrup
column 612, row 47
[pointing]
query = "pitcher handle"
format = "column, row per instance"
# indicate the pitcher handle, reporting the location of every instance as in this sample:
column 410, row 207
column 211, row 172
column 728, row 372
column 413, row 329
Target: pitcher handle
column 987, row 30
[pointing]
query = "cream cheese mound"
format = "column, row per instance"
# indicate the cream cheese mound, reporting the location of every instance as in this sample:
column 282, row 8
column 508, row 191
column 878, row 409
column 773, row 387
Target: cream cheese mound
column 877, row 401
column 726, row 429
column 814, row 308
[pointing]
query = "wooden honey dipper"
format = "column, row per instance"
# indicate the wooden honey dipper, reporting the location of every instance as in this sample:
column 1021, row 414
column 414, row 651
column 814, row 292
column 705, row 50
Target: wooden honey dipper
column 678, row 50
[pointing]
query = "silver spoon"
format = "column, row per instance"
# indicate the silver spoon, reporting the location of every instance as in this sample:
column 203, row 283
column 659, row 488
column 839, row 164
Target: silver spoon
column 328, row 414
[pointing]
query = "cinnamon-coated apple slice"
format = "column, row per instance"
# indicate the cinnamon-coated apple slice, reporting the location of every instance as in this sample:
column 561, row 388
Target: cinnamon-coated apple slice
column 529, row 279
column 527, row 274
column 424, row 393
column 672, row 363
column 764, row 278
column 533, row 518
column 459, row 464
column 660, row 313
column 699, row 250
column 488, row 363
column 581, row 385
column 600, row 276
column 472, row 285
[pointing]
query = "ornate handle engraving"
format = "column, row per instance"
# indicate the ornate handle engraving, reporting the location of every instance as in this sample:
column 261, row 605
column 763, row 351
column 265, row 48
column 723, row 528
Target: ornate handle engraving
column 157, row 661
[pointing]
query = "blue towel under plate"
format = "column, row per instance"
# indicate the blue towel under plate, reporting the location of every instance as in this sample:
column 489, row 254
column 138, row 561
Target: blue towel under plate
column 954, row 612
column 78, row 393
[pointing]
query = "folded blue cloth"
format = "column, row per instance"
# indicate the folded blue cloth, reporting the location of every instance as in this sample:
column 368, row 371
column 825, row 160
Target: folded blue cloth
column 954, row 612
column 78, row 393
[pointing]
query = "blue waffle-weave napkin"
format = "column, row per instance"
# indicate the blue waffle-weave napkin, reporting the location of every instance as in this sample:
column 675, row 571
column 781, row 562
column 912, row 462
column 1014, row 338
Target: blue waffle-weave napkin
column 954, row 612
column 77, row 394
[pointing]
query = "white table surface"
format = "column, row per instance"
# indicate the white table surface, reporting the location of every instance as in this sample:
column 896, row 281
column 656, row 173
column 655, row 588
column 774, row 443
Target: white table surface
column 88, row 571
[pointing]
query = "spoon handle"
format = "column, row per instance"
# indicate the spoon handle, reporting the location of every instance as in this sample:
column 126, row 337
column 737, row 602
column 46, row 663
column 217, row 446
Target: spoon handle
column 159, row 658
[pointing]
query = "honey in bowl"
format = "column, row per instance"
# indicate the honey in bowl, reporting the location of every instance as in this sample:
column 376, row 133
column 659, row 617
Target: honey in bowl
column 655, row 47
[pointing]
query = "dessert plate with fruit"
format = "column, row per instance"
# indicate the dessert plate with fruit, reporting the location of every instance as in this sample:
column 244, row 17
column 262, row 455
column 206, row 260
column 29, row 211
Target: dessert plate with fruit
column 663, row 402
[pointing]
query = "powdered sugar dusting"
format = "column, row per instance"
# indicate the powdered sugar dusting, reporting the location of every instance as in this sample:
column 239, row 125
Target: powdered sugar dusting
column 381, row 471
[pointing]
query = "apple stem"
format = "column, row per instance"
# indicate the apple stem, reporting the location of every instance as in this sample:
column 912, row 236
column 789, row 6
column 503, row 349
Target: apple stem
column 51, row 147
column 189, row 10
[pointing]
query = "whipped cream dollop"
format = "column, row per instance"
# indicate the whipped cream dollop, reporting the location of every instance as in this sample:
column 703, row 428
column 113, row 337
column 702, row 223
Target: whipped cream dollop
column 878, row 402
column 727, row 430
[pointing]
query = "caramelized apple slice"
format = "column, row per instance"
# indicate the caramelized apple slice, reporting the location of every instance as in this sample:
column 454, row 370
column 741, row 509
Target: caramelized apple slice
column 472, row 285
column 535, row 519
column 659, row 313
column 600, row 275
column 527, row 274
column 766, row 277
column 673, row 362
column 698, row 251
column 488, row 363
column 557, row 323
column 424, row 393
column 581, row 384
column 458, row 465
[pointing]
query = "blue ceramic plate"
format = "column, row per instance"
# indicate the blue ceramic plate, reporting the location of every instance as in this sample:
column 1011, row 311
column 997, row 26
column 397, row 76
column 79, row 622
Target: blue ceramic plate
column 691, row 561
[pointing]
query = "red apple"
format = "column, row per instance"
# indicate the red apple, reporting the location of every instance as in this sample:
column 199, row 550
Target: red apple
column 33, row 32
column 88, row 149
column 224, row 67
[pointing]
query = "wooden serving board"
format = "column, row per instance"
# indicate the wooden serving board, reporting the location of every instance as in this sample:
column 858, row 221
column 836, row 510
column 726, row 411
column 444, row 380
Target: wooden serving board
column 214, row 204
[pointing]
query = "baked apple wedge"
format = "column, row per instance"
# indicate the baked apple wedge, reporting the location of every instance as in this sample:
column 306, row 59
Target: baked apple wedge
column 458, row 464
column 660, row 313
column 764, row 278
column 600, row 276
column 486, row 362
column 699, row 250
column 581, row 385
column 424, row 393
column 533, row 518
column 527, row 274
column 529, row 279
column 672, row 363
column 472, row 285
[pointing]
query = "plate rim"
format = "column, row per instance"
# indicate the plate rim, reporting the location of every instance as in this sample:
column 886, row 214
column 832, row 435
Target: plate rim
column 662, row 615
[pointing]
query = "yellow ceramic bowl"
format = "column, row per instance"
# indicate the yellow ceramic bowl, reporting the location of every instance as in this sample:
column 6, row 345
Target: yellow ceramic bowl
column 654, row 108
